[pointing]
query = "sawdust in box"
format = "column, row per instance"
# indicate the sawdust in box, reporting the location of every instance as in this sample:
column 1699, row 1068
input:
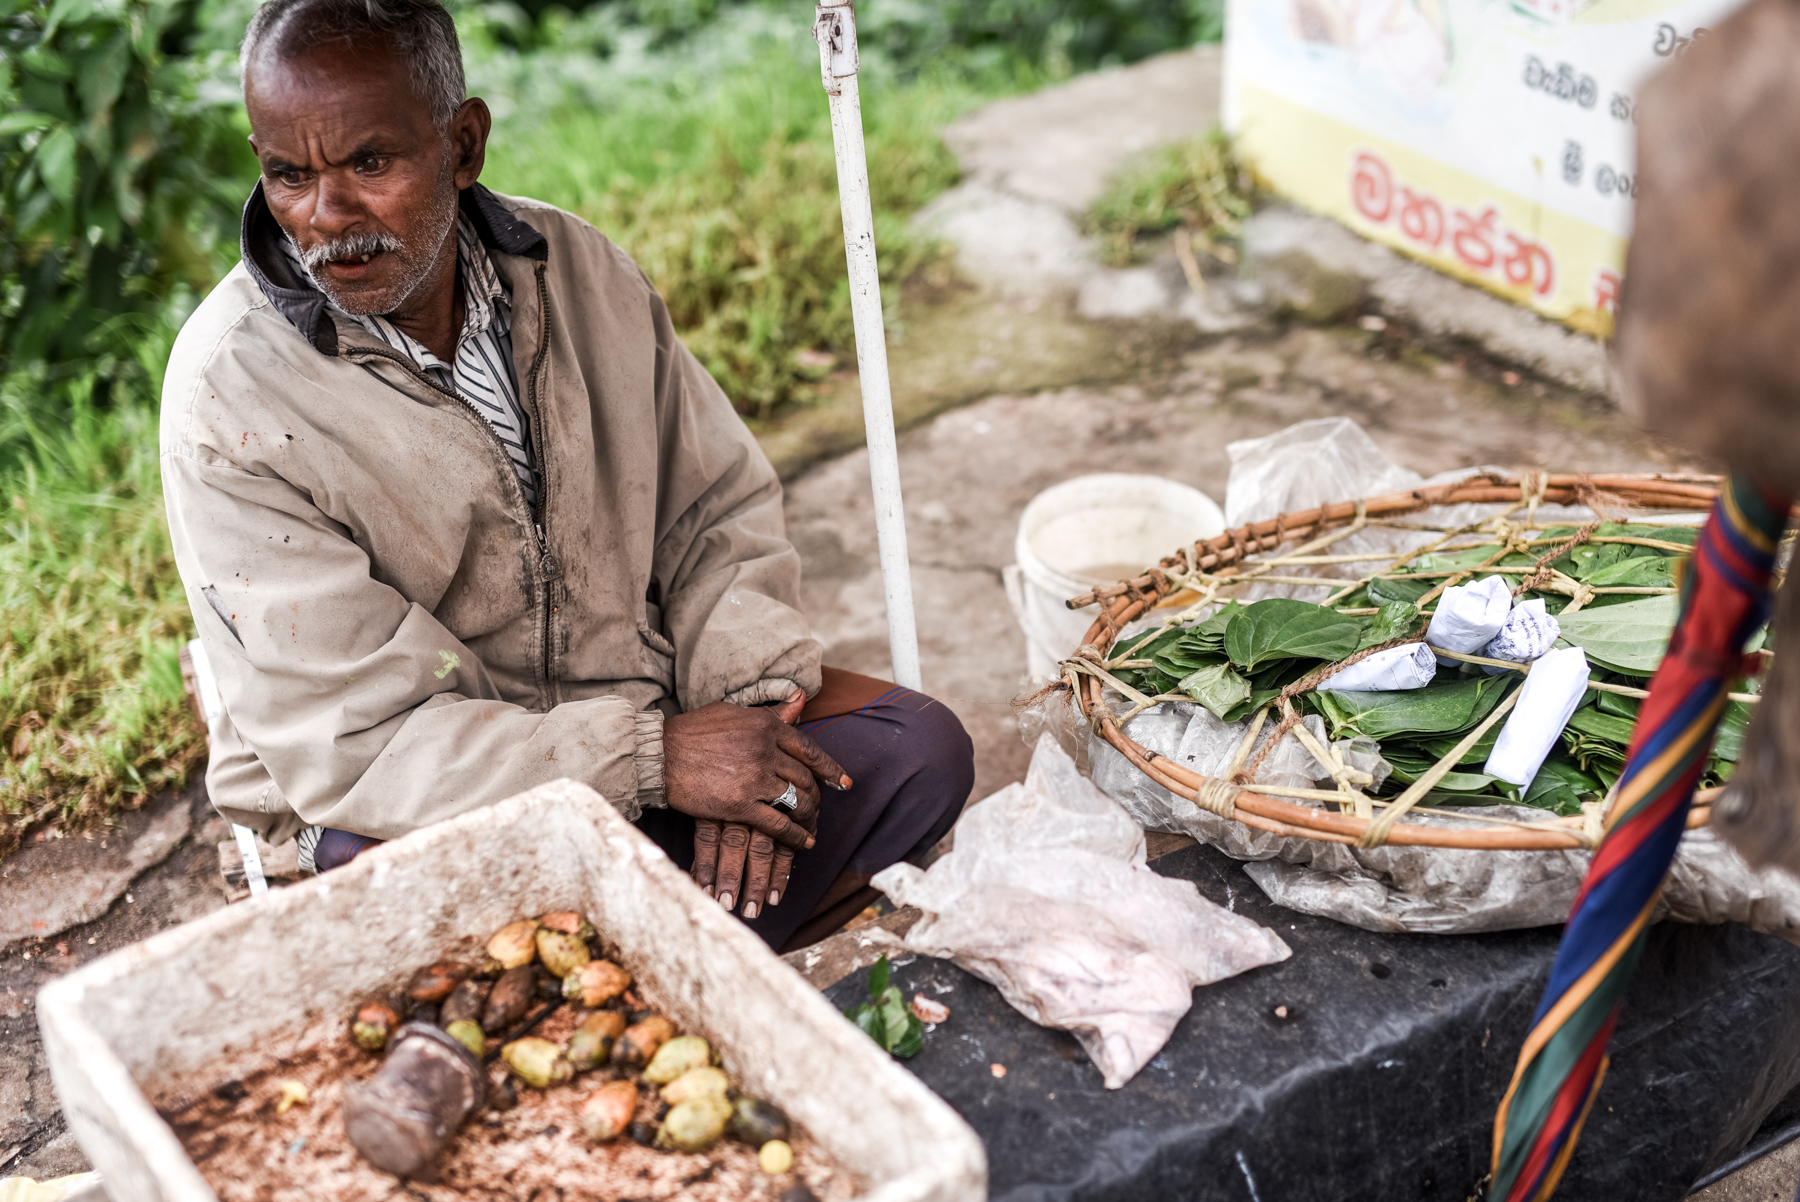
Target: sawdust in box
column 248, row 1152
column 250, row 991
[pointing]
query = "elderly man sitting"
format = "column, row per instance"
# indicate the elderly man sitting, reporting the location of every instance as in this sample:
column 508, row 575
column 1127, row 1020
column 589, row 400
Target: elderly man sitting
column 458, row 514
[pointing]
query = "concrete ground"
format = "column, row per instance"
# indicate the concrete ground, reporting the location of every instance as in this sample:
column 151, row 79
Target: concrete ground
column 1026, row 365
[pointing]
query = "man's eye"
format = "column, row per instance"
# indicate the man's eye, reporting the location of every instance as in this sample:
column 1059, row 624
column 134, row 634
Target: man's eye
column 371, row 165
column 290, row 179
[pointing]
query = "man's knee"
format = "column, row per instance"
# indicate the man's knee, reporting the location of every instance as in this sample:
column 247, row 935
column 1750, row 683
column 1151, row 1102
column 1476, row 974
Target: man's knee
column 940, row 751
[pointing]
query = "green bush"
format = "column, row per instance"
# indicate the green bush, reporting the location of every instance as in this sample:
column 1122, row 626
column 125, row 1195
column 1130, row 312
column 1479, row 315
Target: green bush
column 1032, row 39
column 119, row 182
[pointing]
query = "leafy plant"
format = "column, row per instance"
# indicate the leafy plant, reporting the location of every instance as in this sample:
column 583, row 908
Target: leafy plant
column 1196, row 184
column 118, row 178
column 1046, row 38
column 885, row 1017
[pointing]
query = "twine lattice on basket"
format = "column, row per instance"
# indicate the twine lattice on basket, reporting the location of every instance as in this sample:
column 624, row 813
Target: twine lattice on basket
column 1192, row 579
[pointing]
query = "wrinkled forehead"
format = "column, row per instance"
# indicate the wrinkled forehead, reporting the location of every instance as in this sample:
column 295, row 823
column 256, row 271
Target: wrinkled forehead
column 354, row 87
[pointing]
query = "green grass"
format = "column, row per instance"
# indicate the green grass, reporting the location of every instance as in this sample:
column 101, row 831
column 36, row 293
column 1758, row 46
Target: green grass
column 92, row 617
column 726, row 194
column 1196, row 184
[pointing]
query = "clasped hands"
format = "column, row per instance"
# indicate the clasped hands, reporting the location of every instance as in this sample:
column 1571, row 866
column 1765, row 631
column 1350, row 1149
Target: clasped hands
column 722, row 764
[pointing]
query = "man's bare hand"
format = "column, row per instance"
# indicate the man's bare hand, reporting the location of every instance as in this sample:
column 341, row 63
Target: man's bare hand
column 723, row 764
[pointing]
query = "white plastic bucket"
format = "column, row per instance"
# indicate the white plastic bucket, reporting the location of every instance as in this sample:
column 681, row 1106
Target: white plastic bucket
column 1094, row 530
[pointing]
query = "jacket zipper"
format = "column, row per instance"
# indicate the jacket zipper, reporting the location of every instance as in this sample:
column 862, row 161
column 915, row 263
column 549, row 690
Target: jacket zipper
column 548, row 568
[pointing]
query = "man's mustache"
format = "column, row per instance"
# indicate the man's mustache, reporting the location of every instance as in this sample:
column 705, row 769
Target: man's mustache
column 350, row 247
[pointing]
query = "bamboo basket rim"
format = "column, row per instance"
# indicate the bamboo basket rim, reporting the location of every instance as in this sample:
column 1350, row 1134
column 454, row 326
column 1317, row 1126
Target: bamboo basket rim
column 1223, row 555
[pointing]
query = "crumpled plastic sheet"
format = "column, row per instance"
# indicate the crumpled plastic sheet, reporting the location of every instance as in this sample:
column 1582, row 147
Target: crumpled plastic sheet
column 1308, row 463
column 1047, row 896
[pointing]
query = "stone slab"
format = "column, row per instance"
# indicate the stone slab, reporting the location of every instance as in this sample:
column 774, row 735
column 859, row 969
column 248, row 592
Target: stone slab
column 1367, row 1067
column 49, row 886
column 1322, row 270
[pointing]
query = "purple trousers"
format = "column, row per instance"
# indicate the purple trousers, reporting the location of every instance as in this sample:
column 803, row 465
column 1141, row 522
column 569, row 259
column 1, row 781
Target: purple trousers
column 913, row 766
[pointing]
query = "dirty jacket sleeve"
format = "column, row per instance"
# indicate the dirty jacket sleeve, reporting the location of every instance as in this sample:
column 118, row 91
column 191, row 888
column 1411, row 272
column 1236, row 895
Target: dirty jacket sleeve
column 728, row 577
column 365, row 711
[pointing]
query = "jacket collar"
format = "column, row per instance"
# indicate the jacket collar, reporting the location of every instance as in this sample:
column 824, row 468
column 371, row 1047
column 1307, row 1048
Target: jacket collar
column 295, row 297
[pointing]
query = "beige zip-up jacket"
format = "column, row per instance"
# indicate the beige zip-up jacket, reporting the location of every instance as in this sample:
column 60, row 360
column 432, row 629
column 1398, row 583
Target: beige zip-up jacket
column 397, row 636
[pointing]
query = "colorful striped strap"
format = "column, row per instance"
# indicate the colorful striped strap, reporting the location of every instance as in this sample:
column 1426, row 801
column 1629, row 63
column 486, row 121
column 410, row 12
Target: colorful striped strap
column 1725, row 600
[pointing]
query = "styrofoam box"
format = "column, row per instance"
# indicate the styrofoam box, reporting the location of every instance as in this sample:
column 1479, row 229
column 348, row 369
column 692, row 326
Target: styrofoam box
column 215, row 992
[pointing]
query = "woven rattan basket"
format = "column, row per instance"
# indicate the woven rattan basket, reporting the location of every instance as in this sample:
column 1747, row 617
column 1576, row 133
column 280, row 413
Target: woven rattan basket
column 1192, row 578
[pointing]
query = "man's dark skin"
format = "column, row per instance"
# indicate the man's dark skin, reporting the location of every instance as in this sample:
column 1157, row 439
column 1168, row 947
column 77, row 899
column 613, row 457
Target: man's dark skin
column 348, row 148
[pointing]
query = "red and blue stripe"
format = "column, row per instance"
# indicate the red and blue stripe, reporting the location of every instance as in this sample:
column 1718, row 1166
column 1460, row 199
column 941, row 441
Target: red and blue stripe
column 1725, row 600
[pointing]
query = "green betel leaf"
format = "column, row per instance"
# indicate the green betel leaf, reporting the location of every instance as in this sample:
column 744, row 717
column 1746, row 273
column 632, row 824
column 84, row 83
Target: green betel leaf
column 1218, row 688
column 1436, row 709
column 911, row 1040
column 1395, row 620
column 1649, row 570
column 1591, row 721
column 1147, row 643
column 1208, row 638
column 868, row 1020
column 1562, row 787
column 1728, row 743
column 1630, row 637
column 1280, row 628
column 878, row 977
column 1181, row 661
column 1613, row 703
column 1443, row 745
column 1386, row 592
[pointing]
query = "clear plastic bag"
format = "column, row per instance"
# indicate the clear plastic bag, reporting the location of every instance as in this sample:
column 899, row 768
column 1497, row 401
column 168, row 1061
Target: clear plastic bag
column 1047, row 896
column 1309, row 463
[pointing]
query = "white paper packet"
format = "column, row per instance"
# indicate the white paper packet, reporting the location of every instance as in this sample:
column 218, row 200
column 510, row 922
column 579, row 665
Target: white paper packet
column 1547, row 699
column 1528, row 632
column 1408, row 666
column 1469, row 616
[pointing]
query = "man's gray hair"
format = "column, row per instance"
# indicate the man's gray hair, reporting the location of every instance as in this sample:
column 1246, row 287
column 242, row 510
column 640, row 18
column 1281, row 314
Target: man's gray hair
column 420, row 31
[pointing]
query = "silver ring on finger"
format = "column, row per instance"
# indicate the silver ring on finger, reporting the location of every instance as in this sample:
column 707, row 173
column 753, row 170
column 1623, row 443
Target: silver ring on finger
column 789, row 800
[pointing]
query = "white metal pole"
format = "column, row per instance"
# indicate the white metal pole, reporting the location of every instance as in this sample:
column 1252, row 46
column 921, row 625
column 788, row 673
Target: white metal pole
column 835, row 31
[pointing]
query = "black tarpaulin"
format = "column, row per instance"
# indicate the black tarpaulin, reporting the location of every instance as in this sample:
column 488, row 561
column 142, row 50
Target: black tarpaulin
column 1367, row 1067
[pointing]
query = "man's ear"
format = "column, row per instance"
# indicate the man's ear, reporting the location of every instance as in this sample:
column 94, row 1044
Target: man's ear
column 468, row 140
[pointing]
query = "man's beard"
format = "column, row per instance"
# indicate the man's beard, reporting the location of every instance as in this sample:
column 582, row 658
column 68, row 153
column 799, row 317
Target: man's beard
column 412, row 268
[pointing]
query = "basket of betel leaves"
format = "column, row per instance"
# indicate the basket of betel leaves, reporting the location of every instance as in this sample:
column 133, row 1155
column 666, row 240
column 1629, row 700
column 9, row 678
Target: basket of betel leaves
column 1594, row 560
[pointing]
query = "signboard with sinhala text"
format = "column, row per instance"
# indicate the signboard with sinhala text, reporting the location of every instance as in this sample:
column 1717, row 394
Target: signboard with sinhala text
column 1491, row 139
